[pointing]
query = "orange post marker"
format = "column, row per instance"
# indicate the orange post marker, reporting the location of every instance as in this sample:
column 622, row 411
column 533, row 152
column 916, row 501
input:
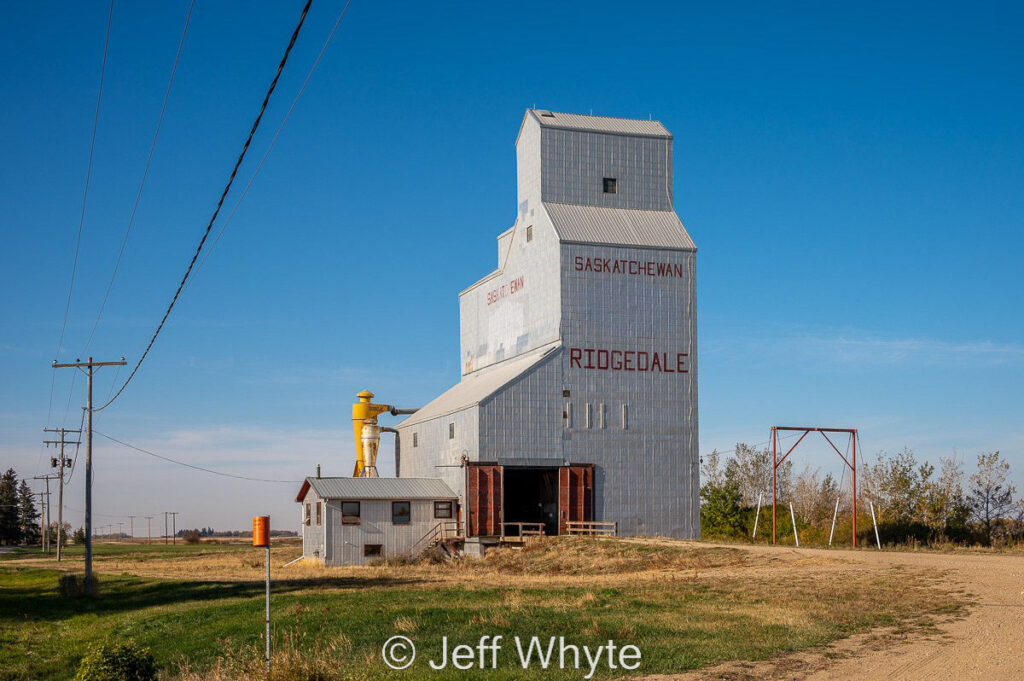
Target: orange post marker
column 261, row 530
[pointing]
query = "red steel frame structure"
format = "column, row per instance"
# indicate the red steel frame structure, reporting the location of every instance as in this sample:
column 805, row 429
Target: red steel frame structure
column 852, row 432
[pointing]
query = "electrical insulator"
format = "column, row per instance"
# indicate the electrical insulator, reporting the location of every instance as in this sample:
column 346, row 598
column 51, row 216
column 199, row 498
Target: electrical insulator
column 53, row 462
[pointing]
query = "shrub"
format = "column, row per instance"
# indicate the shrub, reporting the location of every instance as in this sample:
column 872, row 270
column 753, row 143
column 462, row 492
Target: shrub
column 190, row 536
column 73, row 586
column 79, row 536
column 117, row 661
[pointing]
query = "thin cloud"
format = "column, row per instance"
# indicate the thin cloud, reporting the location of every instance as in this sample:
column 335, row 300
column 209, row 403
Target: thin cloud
column 921, row 350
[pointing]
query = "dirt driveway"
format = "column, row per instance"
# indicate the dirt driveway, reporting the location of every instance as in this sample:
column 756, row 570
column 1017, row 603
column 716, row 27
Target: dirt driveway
column 987, row 644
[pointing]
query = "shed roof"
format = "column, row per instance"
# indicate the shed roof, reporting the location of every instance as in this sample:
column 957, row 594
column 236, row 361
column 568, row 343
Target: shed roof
column 475, row 387
column 377, row 488
column 619, row 126
column 619, row 226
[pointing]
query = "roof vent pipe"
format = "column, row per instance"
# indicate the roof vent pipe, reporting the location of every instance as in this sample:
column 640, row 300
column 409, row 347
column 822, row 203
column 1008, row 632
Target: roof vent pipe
column 318, row 471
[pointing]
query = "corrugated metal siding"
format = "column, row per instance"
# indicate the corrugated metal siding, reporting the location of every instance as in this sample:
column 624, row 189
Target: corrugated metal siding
column 622, row 126
column 381, row 488
column 574, row 165
column 312, row 534
column 495, row 329
column 594, row 225
column 346, row 542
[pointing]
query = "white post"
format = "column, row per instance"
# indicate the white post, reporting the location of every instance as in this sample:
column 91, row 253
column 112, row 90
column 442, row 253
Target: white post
column 875, row 523
column 757, row 515
column 793, row 516
column 834, row 514
column 268, row 610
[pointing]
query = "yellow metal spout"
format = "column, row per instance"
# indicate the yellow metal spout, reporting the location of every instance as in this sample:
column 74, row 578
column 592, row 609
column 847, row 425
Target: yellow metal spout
column 364, row 411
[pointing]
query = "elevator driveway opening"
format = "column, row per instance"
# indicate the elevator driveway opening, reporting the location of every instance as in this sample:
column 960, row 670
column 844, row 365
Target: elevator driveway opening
column 531, row 496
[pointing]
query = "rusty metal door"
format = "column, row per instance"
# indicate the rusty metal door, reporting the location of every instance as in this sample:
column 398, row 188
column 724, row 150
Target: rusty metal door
column 575, row 494
column 484, row 491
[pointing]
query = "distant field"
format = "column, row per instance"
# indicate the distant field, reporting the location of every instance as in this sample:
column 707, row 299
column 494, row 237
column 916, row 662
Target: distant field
column 684, row 604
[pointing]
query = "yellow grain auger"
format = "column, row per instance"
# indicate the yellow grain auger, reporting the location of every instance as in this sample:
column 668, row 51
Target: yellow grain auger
column 367, row 433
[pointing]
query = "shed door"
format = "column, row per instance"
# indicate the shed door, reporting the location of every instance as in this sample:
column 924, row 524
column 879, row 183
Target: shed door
column 575, row 495
column 484, row 488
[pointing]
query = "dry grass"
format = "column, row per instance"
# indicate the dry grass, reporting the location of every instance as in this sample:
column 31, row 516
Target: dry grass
column 686, row 604
column 292, row 661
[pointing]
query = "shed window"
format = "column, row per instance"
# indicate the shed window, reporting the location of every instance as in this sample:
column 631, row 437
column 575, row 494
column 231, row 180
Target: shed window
column 442, row 509
column 610, row 185
column 319, row 513
column 373, row 550
column 529, row 233
column 415, row 439
column 350, row 513
column 401, row 512
column 451, row 431
column 307, row 514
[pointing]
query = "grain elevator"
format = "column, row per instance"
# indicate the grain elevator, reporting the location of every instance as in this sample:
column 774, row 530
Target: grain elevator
column 578, row 351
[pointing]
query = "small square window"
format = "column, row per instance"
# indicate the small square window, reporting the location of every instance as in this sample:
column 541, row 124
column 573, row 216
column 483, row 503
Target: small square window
column 372, row 550
column 415, row 439
column 350, row 513
column 442, row 509
column 401, row 512
column 566, row 393
column 610, row 185
column 529, row 233
column 451, row 431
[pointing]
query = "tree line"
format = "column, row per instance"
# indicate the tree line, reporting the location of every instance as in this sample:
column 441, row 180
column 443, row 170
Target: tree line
column 19, row 518
column 913, row 501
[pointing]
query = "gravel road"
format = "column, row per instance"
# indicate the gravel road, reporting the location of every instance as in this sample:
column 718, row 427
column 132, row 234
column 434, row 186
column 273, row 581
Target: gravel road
column 986, row 644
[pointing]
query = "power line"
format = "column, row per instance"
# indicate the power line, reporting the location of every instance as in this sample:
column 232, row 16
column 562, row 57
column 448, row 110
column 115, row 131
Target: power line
column 145, row 173
column 77, row 447
column 273, row 141
column 220, row 203
column 189, row 465
column 88, row 176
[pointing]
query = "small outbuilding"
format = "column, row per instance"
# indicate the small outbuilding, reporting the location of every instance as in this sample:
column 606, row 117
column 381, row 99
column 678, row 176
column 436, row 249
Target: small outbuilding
column 351, row 521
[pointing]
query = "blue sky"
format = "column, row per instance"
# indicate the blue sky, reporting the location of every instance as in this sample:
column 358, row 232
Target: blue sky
column 853, row 177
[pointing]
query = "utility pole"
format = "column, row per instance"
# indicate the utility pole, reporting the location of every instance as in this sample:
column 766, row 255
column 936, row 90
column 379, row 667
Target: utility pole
column 131, row 526
column 120, row 530
column 174, row 526
column 64, row 461
column 42, row 520
column 45, row 511
column 149, row 529
column 90, row 368
column 165, row 528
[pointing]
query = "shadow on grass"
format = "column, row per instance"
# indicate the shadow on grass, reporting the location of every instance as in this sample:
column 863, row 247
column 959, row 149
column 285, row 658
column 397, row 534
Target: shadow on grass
column 31, row 594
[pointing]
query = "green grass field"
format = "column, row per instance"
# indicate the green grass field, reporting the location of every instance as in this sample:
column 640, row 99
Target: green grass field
column 684, row 606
